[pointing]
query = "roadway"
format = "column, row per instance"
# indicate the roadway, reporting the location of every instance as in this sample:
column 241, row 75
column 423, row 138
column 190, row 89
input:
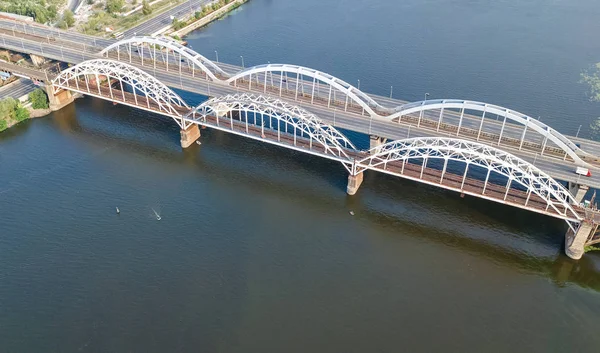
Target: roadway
column 68, row 52
column 17, row 89
column 162, row 20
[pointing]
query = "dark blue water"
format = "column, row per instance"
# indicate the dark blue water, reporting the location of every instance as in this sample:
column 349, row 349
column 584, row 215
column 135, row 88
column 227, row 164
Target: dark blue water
column 525, row 55
column 256, row 250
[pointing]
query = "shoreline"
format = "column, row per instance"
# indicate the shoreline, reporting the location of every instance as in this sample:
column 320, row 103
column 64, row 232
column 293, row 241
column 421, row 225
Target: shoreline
column 203, row 21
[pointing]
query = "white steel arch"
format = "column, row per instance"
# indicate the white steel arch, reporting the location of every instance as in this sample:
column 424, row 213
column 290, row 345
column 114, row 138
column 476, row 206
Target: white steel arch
column 472, row 153
column 164, row 45
column 351, row 92
column 303, row 122
column 140, row 81
column 546, row 131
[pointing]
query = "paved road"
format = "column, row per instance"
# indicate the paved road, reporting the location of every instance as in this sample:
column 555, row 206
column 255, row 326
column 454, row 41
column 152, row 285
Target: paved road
column 164, row 19
column 17, row 88
column 61, row 51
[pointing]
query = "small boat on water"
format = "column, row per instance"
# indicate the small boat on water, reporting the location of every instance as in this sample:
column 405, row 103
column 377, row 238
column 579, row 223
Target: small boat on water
column 118, row 212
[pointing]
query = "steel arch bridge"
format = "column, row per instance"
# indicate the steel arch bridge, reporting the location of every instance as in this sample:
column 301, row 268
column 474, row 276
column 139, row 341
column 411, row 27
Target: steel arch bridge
column 319, row 88
column 279, row 117
column 548, row 133
column 491, row 159
column 148, row 92
column 264, row 74
column 157, row 49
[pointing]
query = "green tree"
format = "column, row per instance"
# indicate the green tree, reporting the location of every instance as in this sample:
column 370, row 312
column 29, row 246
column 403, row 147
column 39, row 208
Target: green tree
column 114, row 6
column 38, row 99
column 591, row 77
column 21, row 113
column 146, row 9
column 52, row 12
column 7, row 108
column 68, row 17
column 62, row 24
column 3, row 125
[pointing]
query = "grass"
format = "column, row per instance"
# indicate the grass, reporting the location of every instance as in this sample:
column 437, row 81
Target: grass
column 591, row 248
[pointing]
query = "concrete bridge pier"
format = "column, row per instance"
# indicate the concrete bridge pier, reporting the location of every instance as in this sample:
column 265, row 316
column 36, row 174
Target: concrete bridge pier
column 376, row 141
column 57, row 99
column 354, row 182
column 37, row 60
column 578, row 191
column 575, row 242
column 189, row 135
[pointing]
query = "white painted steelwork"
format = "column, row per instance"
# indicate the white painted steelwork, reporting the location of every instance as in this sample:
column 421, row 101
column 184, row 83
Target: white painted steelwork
column 568, row 146
column 276, row 76
column 491, row 159
column 282, row 70
column 295, row 120
column 158, row 49
column 141, row 82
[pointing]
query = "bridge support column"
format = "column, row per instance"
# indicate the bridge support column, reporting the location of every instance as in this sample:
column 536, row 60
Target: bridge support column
column 575, row 242
column 58, row 99
column 578, row 191
column 189, row 135
column 354, row 182
column 376, row 141
column 37, row 60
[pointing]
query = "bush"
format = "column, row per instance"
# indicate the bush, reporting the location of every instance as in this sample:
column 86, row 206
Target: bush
column 146, row 9
column 114, row 6
column 21, row 113
column 62, row 24
column 3, row 125
column 68, row 17
column 38, row 99
column 177, row 24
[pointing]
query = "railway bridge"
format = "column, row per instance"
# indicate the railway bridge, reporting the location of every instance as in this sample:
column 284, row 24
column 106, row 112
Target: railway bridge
column 481, row 155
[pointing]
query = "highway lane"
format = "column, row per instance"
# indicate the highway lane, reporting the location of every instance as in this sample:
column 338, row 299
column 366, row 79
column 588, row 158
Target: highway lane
column 556, row 168
column 17, row 89
column 164, row 19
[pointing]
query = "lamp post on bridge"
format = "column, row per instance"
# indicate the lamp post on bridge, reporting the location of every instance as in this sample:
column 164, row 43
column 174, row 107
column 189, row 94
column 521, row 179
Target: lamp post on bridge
column 426, row 95
column 358, row 85
column 579, row 129
column 217, row 55
column 391, row 91
column 243, row 67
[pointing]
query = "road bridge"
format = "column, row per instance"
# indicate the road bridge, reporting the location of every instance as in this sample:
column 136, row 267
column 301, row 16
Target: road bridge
column 532, row 141
column 142, row 63
column 469, row 168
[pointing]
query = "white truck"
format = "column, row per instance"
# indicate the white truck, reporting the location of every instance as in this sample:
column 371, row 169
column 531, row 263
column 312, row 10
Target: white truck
column 583, row 171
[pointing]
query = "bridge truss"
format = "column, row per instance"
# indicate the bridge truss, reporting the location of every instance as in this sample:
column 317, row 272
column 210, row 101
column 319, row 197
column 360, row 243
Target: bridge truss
column 393, row 157
column 306, row 85
column 165, row 52
column 274, row 121
column 96, row 77
column 453, row 111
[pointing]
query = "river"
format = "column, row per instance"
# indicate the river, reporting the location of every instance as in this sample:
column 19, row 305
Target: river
column 256, row 250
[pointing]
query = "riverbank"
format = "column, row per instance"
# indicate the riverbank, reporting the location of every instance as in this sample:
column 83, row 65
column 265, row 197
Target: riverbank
column 200, row 21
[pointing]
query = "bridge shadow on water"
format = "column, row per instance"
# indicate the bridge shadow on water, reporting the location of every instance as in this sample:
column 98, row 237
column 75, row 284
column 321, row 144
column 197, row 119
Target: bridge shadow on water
column 507, row 236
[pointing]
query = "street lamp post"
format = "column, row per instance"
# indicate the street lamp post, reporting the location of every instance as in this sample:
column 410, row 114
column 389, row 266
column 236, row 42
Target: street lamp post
column 358, row 85
column 391, row 91
column 579, row 129
column 242, row 62
column 217, row 55
column 426, row 95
